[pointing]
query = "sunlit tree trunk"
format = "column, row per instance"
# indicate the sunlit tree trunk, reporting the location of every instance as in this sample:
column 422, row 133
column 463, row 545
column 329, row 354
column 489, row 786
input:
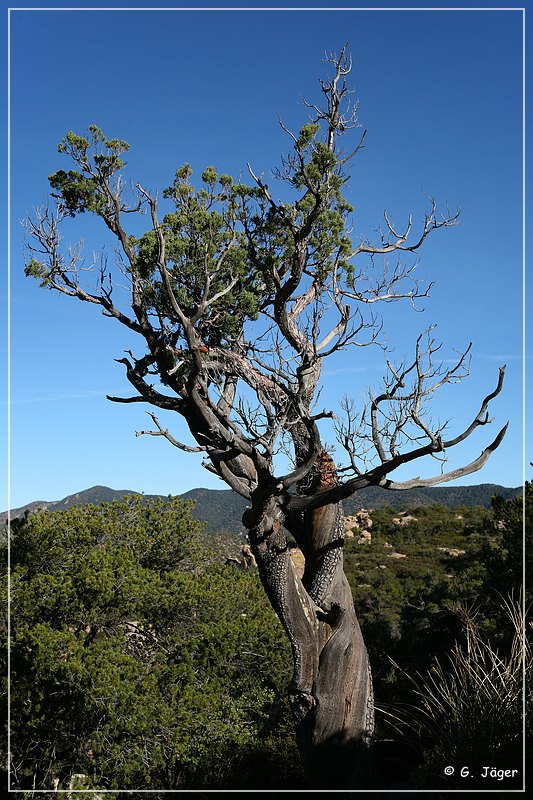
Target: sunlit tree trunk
column 331, row 691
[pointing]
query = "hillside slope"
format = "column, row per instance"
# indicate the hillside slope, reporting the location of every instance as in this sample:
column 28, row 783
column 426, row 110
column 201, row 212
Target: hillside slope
column 222, row 509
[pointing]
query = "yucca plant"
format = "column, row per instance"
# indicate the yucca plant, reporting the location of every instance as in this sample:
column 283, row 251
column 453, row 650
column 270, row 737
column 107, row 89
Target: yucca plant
column 469, row 713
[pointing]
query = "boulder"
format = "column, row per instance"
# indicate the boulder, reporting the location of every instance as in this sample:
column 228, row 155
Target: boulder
column 358, row 522
column 247, row 559
column 452, row 551
column 404, row 519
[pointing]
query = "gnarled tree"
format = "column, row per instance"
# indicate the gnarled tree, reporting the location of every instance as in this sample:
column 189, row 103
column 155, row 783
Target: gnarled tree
column 237, row 298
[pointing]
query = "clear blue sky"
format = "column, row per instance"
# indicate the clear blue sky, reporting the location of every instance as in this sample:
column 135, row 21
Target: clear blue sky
column 440, row 94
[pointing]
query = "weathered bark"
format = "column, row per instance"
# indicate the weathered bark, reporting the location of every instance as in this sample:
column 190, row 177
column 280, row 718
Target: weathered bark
column 334, row 741
column 331, row 690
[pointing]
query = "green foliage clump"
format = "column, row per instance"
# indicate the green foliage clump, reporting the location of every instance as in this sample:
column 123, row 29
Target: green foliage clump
column 202, row 244
column 81, row 191
column 508, row 544
column 137, row 661
column 223, row 239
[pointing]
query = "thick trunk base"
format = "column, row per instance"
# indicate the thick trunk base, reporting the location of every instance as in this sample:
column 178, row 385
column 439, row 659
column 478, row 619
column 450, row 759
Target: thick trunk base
column 331, row 692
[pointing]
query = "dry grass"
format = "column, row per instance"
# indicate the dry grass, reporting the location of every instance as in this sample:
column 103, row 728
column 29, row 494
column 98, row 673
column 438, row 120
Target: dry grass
column 470, row 709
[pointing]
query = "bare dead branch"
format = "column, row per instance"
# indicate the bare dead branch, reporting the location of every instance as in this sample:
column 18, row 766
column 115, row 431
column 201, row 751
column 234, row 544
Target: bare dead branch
column 474, row 466
column 482, row 417
column 431, row 223
column 147, row 393
column 168, row 436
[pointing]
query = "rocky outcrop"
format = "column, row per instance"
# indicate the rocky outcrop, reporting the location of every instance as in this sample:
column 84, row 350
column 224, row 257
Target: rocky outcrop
column 453, row 552
column 404, row 519
column 247, row 559
column 359, row 524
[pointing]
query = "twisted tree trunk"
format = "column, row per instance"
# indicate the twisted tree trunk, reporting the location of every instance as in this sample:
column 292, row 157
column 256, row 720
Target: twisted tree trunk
column 331, row 690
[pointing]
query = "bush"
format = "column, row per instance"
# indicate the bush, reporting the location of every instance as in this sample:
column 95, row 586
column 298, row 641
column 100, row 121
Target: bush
column 137, row 659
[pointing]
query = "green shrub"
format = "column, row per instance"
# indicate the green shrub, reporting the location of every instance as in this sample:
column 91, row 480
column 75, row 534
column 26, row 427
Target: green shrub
column 137, row 659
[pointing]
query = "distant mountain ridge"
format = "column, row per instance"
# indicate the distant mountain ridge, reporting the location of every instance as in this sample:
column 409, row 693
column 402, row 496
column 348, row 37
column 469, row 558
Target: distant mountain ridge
column 222, row 509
